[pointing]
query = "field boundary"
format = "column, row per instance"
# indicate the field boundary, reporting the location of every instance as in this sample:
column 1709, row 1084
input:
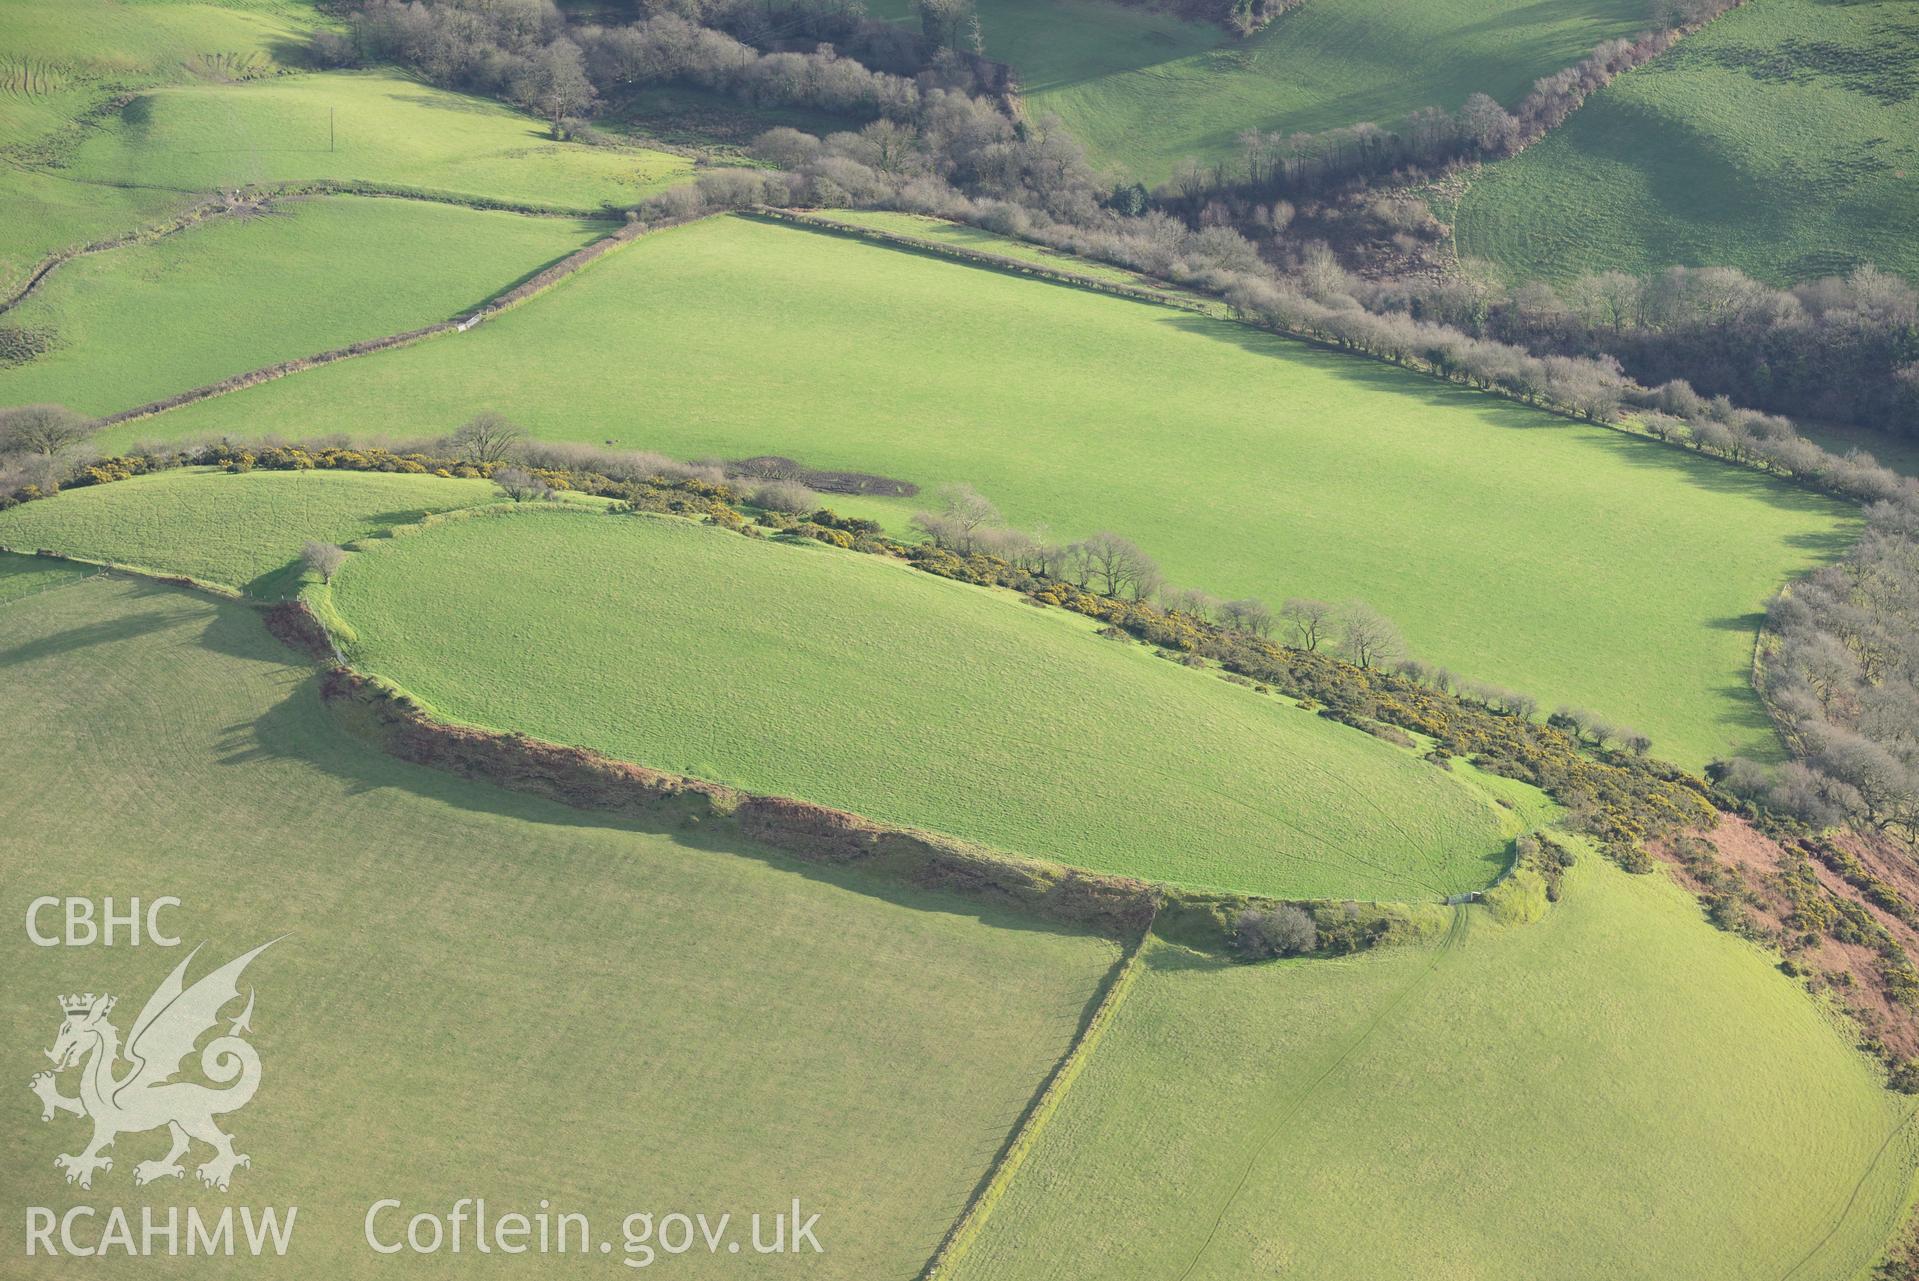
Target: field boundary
column 1216, row 309
column 384, row 713
column 580, row 778
column 440, row 196
column 584, row 779
column 979, row 258
column 248, row 199
column 551, row 277
column 192, row 216
column 1020, row 1143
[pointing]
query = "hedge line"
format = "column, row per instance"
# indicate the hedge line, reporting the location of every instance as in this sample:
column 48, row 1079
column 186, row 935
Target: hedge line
column 999, row 262
column 319, row 187
column 179, row 222
column 532, row 288
column 965, row 1230
column 585, row 779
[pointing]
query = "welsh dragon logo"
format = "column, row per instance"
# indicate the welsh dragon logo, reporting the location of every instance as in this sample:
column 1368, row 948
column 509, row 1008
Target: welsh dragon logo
column 145, row 1096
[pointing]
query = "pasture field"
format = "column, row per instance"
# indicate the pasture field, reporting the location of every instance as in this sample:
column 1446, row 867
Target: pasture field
column 1782, row 140
column 43, row 212
column 61, row 59
column 23, row 576
column 863, row 684
column 1143, row 90
column 1617, row 1089
column 140, row 323
column 1580, row 564
column 243, row 531
column 387, row 128
column 173, row 144
column 481, row 994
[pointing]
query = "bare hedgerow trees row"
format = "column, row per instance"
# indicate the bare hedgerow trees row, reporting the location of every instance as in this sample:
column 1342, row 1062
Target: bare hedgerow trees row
column 1108, row 564
column 37, row 448
column 1839, row 347
column 1844, row 675
column 1276, row 164
column 525, row 51
column 45, row 430
column 1034, row 184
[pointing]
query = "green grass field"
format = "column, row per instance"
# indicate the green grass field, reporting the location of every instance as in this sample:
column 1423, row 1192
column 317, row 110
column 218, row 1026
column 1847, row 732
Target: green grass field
column 1783, row 140
column 61, row 56
column 1581, row 564
column 1617, row 1090
column 1142, row 89
column 61, row 59
column 175, row 143
column 845, row 679
column 143, row 322
column 243, row 531
column 386, row 128
column 481, row 994
column 23, row 576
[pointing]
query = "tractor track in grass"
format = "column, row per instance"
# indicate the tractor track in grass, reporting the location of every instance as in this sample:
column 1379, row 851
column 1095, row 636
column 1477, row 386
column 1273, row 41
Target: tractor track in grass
column 1454, row 940
column 1852, row 1198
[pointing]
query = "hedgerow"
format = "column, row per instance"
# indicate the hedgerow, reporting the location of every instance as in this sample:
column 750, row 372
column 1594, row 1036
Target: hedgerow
column 1620, row 798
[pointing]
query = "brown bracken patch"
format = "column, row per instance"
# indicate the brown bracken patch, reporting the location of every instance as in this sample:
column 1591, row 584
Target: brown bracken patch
column 1769, row 878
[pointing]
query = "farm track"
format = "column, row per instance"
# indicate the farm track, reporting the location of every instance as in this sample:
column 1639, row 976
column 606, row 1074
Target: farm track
column 1454, row 940
column 1845, row 1211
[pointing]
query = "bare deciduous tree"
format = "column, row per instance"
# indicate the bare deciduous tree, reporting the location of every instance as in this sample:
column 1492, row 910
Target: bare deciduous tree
column 1247, row 616
column 555, row 84
column 1309, row 620
column 46, row 430
column 1115, row 566
column 1192, row 602
column 1284, row 930
column 487, row 437
column 1367, row 637
column 961, row 523
column 966, row 507
column 323, row 559
column 520, row 485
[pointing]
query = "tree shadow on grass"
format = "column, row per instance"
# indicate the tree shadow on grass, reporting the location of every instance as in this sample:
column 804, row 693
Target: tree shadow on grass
column 129, row 626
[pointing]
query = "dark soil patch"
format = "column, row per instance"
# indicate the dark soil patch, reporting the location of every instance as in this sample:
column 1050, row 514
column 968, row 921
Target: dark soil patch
column 775, row 467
